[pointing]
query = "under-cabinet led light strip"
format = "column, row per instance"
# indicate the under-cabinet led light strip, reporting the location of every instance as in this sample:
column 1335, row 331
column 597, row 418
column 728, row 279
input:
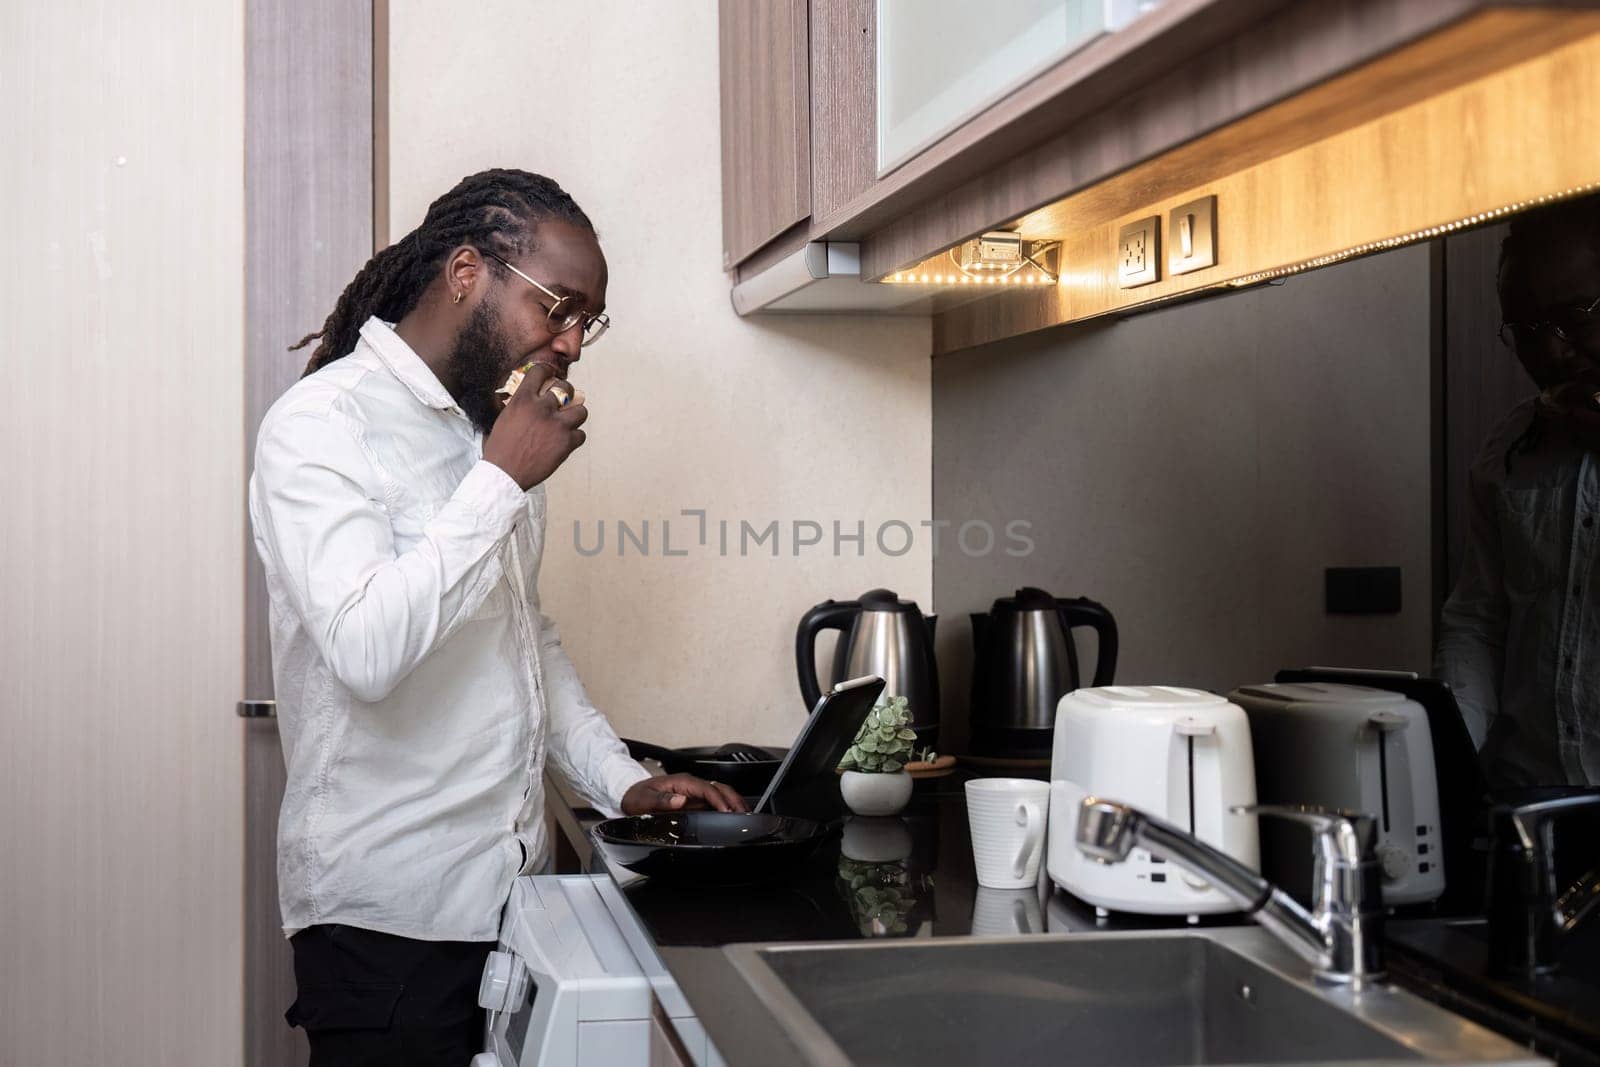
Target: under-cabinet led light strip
column 912, row 277
column 1409, row 238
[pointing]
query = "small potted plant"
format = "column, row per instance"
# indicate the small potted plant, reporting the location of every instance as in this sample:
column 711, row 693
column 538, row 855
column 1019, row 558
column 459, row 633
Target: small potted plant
column 881, row 896
column 875, row 781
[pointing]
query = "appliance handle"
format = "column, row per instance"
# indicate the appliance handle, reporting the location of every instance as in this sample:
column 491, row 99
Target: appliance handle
column 660, row 753
column 828, row 615
column 1085, row 612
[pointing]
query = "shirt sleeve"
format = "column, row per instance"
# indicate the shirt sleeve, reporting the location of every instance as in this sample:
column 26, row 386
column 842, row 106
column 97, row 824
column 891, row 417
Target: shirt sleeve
column 322, row 518
column 584, row 747
column 1472, row 625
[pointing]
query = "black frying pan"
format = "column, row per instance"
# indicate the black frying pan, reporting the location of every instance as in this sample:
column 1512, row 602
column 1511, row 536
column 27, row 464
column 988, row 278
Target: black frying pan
column 711, row 847
column 747, row 768
column 739, row 848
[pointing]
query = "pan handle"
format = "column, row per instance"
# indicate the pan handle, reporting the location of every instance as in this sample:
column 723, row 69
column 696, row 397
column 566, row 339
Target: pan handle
column 645, row 750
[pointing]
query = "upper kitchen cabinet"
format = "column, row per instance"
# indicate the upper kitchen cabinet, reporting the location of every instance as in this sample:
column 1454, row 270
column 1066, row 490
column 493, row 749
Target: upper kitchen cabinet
column 766, row 122
column 1113, row 154
column 939, row 62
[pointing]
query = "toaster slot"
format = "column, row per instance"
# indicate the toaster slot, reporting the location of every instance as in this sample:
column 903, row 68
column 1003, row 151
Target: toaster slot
column 1383, row 724
column 1191, row 730
column 1383, row 776
column 1190, row 740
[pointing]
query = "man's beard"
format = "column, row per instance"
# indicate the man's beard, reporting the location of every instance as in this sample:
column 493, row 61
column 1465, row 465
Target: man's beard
column 478, row 367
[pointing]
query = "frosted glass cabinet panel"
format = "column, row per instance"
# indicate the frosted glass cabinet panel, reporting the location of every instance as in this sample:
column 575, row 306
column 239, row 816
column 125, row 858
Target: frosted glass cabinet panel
column 942, row 61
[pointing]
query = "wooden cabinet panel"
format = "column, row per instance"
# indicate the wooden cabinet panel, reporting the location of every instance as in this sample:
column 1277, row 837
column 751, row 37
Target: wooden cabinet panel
column 766, row 122
column 844, row 108
column 309, row 159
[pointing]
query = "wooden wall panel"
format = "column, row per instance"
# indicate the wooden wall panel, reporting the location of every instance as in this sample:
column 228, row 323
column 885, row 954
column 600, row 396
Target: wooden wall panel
column 309, row 161
column 122, row 345
column 766, row 122
column 1514, row 135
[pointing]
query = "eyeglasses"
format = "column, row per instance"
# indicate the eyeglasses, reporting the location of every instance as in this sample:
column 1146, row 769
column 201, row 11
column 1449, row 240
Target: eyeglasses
column 565, row 313
column 1571, row 320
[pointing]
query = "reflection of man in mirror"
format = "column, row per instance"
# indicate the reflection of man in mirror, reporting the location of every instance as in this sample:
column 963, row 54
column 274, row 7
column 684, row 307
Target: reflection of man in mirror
column 1520, row 634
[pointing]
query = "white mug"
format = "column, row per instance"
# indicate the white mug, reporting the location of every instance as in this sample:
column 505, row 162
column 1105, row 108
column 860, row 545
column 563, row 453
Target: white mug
column 1007, row 819
column 1006, row 912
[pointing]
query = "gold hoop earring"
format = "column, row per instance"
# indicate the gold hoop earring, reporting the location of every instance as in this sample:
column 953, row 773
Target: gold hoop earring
column 460, row 293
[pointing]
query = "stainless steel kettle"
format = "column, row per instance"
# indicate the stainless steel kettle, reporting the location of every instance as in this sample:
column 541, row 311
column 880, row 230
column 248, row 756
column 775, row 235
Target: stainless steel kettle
column 879, row 634
column 1024, row 661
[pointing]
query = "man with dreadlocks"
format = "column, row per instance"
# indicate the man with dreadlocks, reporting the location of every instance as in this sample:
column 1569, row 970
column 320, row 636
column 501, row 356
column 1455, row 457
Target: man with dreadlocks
column 1520, row 634
column 398, row 506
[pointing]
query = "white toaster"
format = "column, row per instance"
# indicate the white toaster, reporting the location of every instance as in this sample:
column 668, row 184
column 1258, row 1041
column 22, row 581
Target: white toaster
column 1348, row 746
column 1179, row 754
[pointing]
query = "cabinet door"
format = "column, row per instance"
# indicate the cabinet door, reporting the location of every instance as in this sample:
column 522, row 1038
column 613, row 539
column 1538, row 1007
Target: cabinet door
column 766, row 122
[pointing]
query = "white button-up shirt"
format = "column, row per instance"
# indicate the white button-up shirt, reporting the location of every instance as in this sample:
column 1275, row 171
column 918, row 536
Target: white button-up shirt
column 1520, row 634
column 419, row 688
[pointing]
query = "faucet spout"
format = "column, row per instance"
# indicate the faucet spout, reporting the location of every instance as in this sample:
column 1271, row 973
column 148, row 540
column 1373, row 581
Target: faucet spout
column 1529, row 916
column 1339, row 937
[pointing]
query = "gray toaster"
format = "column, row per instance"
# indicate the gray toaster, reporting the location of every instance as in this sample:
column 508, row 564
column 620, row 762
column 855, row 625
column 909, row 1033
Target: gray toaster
column 1347, row 746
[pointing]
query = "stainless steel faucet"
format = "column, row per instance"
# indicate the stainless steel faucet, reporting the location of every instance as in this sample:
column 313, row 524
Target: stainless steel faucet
column 1529, row 914
column 1340, row 936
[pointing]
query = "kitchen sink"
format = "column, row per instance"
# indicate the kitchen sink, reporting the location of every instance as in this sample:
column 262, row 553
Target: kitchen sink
column 1225, row 996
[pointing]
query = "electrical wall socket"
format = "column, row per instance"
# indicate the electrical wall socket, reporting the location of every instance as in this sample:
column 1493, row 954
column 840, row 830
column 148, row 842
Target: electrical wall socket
column 1138, row 253
column 1192, row 236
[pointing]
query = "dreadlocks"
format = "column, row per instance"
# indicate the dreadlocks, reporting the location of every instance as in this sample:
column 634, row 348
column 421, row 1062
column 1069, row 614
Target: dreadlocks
column 496, row 211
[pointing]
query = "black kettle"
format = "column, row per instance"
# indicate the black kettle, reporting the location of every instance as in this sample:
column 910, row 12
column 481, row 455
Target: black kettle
column 879, row 634
column 1024, row 661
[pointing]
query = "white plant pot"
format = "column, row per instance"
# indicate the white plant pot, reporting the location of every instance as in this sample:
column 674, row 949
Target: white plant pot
column 876, row 840
column 875, row 794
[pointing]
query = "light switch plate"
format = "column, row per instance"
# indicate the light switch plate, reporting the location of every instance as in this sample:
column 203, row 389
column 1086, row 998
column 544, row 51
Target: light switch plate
column 1138, row 253
column 1192, row 236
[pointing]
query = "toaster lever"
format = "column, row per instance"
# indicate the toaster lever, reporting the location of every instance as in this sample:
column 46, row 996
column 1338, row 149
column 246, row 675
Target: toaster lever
column 1387, row 722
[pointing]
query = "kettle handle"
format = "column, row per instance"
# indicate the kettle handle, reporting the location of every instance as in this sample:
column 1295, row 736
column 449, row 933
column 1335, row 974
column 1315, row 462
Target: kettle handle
column 1085, row 612
column 828, row 615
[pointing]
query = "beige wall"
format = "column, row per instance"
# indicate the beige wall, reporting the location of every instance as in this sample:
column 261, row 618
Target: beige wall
column 121, row 534
column 773, row 419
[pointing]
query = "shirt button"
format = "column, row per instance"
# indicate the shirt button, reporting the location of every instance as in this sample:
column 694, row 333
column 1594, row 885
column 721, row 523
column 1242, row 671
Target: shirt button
column 1567, row 663
column 1588, row 521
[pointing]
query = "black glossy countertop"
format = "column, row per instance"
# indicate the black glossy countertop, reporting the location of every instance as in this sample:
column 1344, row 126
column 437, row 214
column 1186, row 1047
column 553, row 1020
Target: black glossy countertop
column 912, row 876
column 905, row 876
column 1557, row 1014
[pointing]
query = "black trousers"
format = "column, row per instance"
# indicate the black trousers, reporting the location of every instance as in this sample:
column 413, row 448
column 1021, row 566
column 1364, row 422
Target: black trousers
column 369, row 998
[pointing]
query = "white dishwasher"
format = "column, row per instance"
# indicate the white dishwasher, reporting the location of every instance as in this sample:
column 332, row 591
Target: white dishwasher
column 575, row 980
